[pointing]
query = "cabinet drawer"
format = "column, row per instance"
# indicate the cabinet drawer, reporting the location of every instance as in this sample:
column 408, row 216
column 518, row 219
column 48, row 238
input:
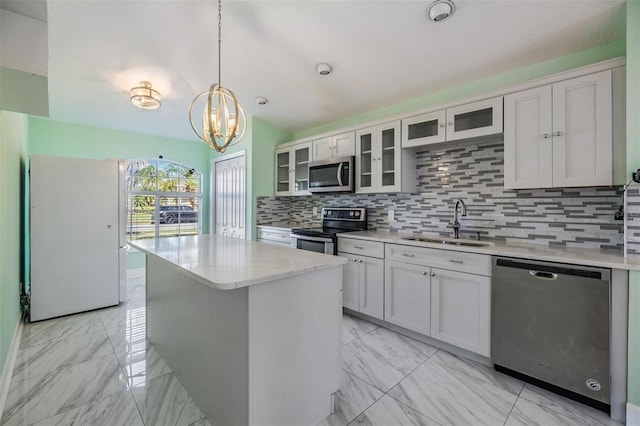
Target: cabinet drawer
column 361, row 247
column 472, row 263
column 282, row 236
column 275, row 243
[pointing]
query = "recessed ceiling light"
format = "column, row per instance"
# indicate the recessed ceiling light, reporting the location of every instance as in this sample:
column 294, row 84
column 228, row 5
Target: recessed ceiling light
column 324, row 69
column 440, row 10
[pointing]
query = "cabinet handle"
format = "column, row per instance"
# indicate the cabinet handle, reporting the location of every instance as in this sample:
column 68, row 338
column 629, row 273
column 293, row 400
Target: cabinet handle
column 433, row 274
column 355, row 260
column 546, row 136
column 456, row 261
column 441, row 125
column 449, row 123
column 424, row 273
column 360, row 261
column 408, row 255
column 558, row 134
column 359, row 247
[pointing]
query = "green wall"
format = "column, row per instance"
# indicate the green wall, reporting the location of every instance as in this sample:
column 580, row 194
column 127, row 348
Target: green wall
column 13, row 158
column 24, row 92
column 633, row 163
column 49, row 137
column 258, row 144
column 585, row 57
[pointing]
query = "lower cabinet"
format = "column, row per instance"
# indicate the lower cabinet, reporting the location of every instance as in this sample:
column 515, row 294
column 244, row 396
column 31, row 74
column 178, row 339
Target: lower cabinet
column 407, row 296
column 460, row 310
column 274, row 235
column 363, row 285
column 447, row 305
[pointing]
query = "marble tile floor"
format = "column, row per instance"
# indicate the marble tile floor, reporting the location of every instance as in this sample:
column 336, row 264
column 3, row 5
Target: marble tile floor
column 97, row 368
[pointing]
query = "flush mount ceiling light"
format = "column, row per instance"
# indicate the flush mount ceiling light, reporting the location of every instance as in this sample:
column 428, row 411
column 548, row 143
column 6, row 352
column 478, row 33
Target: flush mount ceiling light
column 440, row 10
column 261, row 100
column 324, row 68
column 223, row 119
column 144, row 96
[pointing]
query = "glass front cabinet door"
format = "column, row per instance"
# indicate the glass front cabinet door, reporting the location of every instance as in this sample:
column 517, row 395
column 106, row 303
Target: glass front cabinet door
column 378, row 153
column 292, row 169
column 476, row 119
column 283, row 171
column 301, row 158
column 424, row 129
column 472, row 120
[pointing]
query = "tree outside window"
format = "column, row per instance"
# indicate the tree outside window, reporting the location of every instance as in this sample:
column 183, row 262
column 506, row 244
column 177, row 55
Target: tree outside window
column 163, row 199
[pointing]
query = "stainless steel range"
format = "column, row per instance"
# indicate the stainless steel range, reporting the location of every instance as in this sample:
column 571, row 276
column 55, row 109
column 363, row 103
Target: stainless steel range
column 334, row 221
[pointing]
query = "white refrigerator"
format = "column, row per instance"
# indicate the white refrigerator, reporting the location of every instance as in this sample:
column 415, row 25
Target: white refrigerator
column 77, row 235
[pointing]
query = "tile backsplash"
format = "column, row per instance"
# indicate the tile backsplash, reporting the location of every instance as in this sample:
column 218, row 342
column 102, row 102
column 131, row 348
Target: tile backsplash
column 473, row 172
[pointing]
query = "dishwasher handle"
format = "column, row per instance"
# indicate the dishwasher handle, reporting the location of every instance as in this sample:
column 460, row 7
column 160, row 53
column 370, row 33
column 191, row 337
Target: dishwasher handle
column 543, row 275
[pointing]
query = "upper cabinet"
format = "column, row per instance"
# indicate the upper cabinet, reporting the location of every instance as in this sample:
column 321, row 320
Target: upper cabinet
column 381, row 164
column 560, row 135
column 342, row 145
column 472, row 120
column 292, row 169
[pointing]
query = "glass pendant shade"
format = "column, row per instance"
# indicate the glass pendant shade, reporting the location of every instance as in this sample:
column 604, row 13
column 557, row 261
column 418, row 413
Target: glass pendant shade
column 145, row 97
column 223, row 119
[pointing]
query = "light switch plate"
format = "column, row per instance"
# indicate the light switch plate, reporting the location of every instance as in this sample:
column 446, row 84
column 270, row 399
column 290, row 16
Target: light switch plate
column 391, row 215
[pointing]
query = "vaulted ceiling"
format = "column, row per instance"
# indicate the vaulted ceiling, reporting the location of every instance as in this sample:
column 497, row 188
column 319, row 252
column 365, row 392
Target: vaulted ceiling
column 382, row 52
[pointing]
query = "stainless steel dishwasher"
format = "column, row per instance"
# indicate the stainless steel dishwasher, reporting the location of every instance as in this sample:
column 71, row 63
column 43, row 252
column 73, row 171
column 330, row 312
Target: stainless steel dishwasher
column 550, row 326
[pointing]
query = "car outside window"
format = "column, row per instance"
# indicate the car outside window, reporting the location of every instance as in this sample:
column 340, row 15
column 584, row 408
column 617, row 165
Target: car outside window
column 164, row 199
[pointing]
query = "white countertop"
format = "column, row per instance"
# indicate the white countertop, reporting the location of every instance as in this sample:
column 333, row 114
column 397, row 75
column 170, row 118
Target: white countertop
column 226, row 263
column 576, row 256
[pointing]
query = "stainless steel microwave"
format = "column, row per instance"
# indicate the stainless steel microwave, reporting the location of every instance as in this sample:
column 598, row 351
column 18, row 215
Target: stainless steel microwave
column 335, row 175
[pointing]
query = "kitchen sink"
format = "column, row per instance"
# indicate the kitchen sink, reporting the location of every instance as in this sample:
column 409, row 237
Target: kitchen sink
column 448, row 241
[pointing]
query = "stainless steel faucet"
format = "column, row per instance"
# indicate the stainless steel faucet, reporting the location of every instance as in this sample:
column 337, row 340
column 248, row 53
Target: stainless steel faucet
column 455, row 224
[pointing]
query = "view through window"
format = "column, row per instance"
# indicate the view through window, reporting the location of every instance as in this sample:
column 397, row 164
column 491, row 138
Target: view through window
column 163, row 199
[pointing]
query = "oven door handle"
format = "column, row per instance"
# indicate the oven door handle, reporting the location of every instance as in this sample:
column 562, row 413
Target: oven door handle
column 306, row 237
column 340, row 166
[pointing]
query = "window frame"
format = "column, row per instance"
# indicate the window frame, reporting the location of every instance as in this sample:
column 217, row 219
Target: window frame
column 159, row 195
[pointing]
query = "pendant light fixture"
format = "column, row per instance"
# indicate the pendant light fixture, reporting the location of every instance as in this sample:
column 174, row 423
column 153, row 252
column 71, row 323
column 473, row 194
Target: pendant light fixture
column 223, row 119
column 144, row 96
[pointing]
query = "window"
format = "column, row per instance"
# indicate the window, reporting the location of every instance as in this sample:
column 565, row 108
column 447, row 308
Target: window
column 163, row 199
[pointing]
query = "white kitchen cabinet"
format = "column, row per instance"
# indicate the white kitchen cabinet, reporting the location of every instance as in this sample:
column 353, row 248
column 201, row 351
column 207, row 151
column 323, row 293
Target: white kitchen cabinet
column 443, row 294
column 407, row 296
column 336, row 146
column 274, row 235
column 292, row 169
column 460, row 310
column 424, row 129
column 363, row 276
column 350, row 282
column 560, row 135
column 382, row 165
column 472, row 120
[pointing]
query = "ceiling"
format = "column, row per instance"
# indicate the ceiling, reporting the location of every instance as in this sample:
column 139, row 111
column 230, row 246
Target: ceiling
column 382, row 52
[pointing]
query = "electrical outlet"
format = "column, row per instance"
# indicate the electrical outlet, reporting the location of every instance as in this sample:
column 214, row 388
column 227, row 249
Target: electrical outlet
column 391, row 215
column 315, row 211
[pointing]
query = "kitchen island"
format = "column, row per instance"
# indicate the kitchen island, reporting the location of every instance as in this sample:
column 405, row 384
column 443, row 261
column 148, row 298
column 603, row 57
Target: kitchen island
column 252, row 331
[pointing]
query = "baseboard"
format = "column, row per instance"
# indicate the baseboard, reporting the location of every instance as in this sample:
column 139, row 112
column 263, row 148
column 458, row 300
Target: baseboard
column 633, row 415
column 9, row 364
column 136, row 273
